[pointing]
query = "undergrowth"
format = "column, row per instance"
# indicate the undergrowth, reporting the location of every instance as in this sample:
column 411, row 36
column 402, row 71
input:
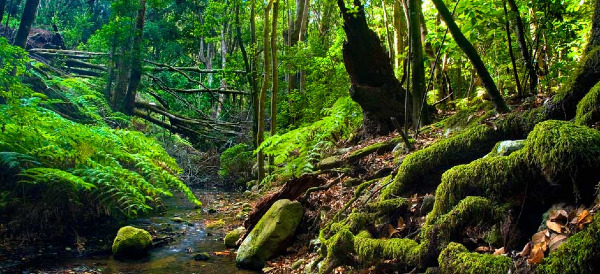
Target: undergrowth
column 54, row 170
column 297, row 151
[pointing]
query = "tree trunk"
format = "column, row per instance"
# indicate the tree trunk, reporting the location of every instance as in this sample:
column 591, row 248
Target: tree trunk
column 533, row 79
column 247, row 67
column 136, row 59
column 419, row 110
column 275, row 87
column 594, row 39
column 254, row 73
column 27, row 19
column 388, row 37
column 470, row 51
column 510, row 52
column 399, row 35
column 263, row 94
column 374, row 86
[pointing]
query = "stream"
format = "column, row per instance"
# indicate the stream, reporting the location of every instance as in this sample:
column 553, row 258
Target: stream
column 174, row 255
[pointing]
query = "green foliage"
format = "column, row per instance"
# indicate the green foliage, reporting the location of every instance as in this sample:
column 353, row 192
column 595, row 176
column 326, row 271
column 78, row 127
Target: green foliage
column 297, row 151
column 237, row 162
column 74, row 169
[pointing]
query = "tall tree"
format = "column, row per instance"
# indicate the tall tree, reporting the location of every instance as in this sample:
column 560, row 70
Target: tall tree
column 136, row 59
column 275, row 86
column 533, row 79
column 27, row 19
column 399, row 34
column 373, row 84
column 263, row 94
column 473, row 56
column 419, row 110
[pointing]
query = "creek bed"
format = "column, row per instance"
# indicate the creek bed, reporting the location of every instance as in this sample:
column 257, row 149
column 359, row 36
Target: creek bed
column 178, row 242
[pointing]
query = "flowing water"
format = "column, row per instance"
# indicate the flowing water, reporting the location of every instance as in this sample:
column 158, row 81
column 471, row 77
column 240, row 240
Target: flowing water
column 174, row 256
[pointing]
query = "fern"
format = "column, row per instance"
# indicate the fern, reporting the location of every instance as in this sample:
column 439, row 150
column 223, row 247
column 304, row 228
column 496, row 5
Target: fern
column 298, row 151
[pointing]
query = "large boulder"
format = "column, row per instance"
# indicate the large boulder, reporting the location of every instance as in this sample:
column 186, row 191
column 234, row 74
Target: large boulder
column 270, row 235
column 131, row 242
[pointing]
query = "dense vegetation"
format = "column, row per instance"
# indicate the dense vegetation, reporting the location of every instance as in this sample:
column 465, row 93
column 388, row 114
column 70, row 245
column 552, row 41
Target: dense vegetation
column 385, row 120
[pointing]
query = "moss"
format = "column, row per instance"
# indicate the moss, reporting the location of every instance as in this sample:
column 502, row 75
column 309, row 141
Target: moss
column 131, row 242
column 468, row 116
column 578, row 255
column 462, row 148
column 406, row 251
column 339, row 248
column 270, row 234
column 455, row 258
column 505, row 148
column 563, row 151
column 376, row 147
column 233, row 236
column 386, row 207
column 588, row 109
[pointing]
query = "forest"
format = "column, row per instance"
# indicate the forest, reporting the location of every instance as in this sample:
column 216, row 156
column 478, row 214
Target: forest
column 299, row 136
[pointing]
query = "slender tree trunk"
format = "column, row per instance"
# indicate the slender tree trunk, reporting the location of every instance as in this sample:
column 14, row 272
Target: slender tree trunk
column 387, row 31
column 27, row 19
column 223, row 85
column 275, row 73
column 399, row 35
column 136, row 59
column 251, row 80
column 475, row 59
column 302, row 37
column 510, row 52
column 533, row 79
column 254, row 73
column 419, row 110
column 108, row 93
column 263, row 94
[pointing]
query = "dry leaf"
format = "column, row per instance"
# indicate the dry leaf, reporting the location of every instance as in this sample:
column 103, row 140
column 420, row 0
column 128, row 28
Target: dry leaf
column 391, row 230
column 401, row 224
column 558, row 216
column 483, row 249
column 539, row 237
column 554, row 226
column 556, row 241
column 499, row 251
column 223, row 253
column 537, row 254
column 583, row 221
column 526, row 250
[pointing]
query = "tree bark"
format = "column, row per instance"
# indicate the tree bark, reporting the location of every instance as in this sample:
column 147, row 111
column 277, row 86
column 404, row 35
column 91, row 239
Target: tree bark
column 136, row 59
column 594, row 39
column 533, row 79
column 419, row 110
column 374, row 86
column 263, row 94
column 27, row 19
column 275, row 72
column 510, row 51
column 399, row 35
column 254, row 73
column 475, row 59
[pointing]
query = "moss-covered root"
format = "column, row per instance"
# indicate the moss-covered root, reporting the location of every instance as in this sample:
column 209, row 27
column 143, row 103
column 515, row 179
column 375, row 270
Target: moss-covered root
column 439, row 232
column 455, row 258
column 558, row 155
column 578, row 255
column 588, row 109
column 407, row 251
column 339, row 250
column 422, row 170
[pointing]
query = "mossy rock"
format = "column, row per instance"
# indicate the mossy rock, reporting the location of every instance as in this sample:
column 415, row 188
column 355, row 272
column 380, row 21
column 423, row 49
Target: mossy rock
column 505, row 148
column 131, row 242
column 202, row 256
column 270, row 234
column 233, row 236
column 455, row 258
